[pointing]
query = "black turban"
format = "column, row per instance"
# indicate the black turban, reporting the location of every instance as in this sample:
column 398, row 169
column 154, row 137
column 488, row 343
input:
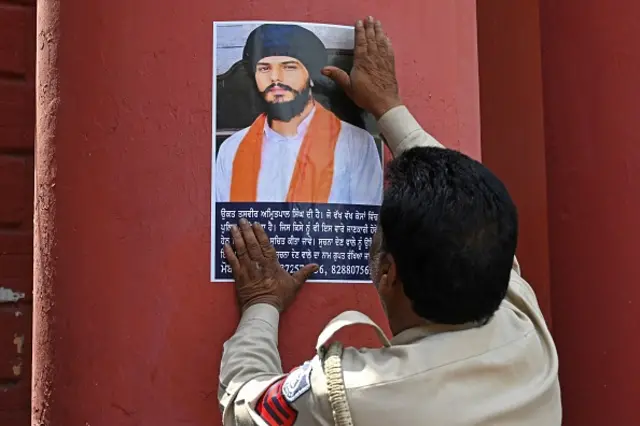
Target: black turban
column 285, row 40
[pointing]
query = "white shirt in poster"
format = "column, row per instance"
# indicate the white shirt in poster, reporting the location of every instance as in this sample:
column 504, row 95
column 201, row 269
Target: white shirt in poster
column 357, row 177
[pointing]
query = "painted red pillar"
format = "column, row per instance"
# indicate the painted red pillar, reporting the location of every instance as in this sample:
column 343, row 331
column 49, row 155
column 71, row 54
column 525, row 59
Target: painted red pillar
column 128, row 328
column 591, row 61
column 512, row 122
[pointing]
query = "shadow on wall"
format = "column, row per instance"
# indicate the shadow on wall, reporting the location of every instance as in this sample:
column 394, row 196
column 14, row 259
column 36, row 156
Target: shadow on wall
column 237, row 103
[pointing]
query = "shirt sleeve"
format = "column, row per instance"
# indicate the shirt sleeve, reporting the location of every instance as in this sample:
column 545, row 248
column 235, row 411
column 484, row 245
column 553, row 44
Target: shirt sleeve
column 367, row 180
column 402, row 132
column 253, row 388
column 521, row 294
column 298, row 398
column 249, row 356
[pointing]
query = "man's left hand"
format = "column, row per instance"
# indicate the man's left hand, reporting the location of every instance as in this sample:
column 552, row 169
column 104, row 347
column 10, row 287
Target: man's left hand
column 257, row 272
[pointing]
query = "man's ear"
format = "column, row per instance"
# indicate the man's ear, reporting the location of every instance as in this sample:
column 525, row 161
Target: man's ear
column 389, row 271
column 392, row 272
column 383, row 283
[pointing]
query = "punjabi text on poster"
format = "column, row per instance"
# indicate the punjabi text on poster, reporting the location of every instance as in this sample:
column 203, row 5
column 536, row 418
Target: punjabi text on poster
column 335, row 237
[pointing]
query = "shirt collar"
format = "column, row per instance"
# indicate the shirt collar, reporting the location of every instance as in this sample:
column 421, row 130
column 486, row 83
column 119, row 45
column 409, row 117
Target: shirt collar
column 416, row 333
column 302, row 128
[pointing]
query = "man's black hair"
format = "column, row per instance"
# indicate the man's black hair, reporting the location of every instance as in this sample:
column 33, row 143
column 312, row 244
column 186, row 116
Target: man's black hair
column 452, row 229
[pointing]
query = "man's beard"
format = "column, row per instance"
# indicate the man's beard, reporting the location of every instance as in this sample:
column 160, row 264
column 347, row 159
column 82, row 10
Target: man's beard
column 286, row 111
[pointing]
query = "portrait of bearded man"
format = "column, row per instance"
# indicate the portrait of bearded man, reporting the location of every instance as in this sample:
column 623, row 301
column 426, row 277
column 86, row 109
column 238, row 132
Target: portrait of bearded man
column 296, row 150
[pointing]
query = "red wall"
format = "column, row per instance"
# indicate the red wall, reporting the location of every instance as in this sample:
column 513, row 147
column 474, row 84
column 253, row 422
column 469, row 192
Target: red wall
column 512, row 123
column 591, row 64
column 17, row 66
column 128, row 329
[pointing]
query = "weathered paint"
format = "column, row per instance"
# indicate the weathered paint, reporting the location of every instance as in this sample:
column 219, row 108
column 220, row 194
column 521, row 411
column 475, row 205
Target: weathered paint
column 9, row 296
column 15, row 361
column 17, row 115
column 17, row 368
column 18, row 340
column 128, row 329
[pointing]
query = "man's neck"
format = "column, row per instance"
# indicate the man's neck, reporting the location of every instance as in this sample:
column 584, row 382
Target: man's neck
column 290, row 128
column 408, row 320
column 401, row 317
column 400, row 325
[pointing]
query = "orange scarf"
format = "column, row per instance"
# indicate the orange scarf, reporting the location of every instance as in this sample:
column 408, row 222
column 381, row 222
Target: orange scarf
column 313, row 173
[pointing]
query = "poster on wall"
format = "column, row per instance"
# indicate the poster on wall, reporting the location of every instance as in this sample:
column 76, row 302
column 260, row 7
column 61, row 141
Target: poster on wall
column 290, row 150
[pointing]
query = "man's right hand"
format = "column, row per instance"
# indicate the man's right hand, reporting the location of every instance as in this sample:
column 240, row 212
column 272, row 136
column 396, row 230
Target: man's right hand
column 372, row 84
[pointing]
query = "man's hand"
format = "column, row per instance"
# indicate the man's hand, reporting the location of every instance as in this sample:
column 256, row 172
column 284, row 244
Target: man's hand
column 258, row 275
column 372, row 84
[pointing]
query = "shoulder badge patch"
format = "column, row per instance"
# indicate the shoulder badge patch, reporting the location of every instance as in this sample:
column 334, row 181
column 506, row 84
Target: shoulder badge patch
column 274, row 409
column 297, row 383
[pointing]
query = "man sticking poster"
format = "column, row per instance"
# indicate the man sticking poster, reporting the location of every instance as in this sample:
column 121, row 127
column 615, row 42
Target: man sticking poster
column 297, row 150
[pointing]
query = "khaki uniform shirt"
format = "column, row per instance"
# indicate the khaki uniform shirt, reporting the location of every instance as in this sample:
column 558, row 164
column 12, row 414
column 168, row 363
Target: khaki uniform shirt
column 501, row 373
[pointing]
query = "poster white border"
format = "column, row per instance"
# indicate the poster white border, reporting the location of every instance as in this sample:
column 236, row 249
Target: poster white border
column 214, row 89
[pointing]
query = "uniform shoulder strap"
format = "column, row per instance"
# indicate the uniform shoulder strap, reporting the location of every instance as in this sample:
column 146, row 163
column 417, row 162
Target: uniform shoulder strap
column 331, row 358
column 346, row 319
column 332, row 366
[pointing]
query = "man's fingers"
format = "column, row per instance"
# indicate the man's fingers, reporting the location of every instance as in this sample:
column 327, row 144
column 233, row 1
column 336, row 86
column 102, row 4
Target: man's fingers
column 238, row 243
column 267, row 249
column 389, row 47
column 381, row 38
column 360, row 46
column 370, row 34
column 232, row 260
column 339, row 76
column 255, row 252
column 303, row 274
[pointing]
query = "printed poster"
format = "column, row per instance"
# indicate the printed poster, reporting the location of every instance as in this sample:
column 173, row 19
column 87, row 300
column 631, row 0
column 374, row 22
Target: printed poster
column 290, row 150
